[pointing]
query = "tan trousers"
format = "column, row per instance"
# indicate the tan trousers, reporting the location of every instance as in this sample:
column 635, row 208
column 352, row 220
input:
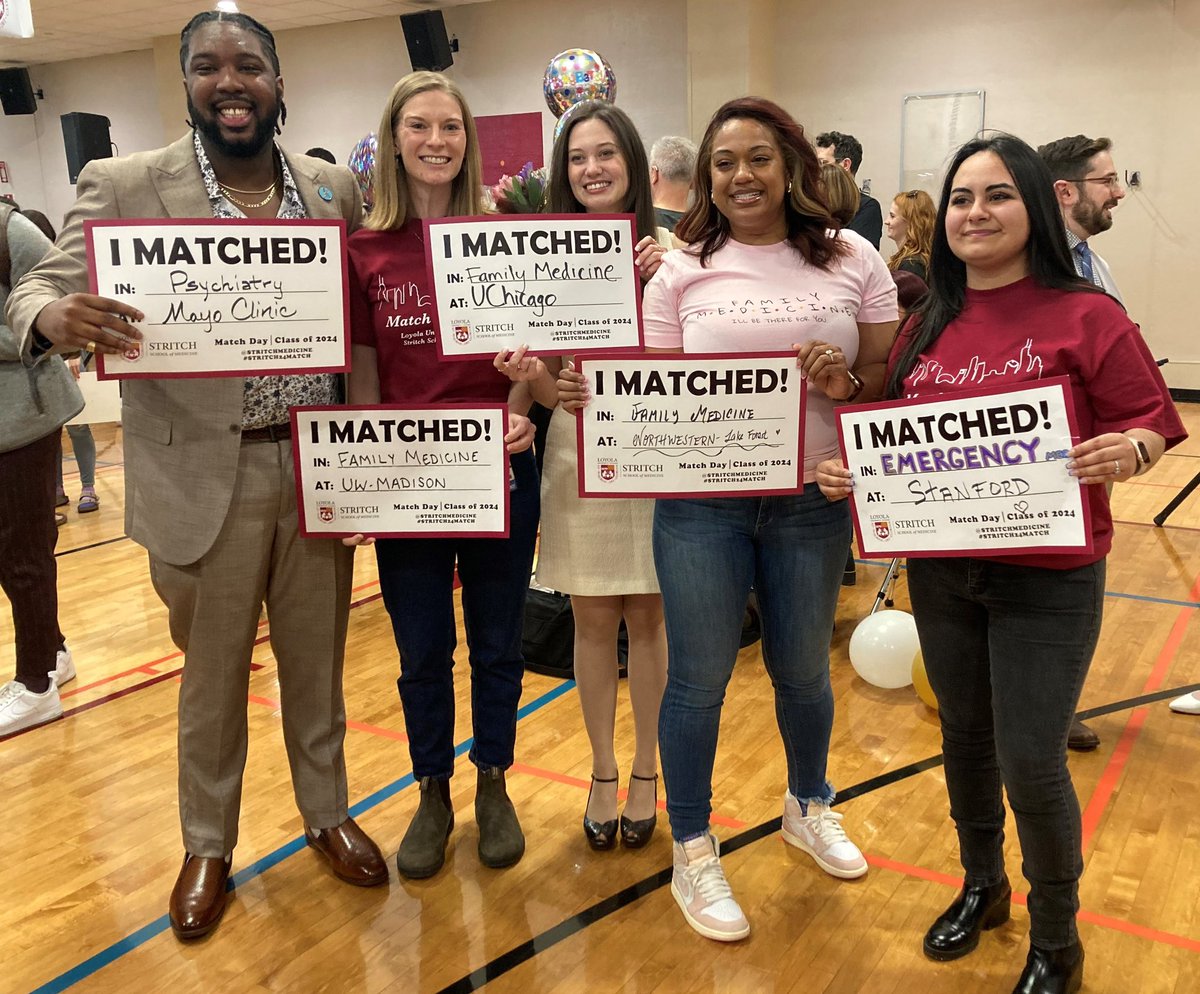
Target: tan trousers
column 214, row 605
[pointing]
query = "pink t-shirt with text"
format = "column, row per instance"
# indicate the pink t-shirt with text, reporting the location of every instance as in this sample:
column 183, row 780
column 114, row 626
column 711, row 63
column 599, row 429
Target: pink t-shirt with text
column 766, row 298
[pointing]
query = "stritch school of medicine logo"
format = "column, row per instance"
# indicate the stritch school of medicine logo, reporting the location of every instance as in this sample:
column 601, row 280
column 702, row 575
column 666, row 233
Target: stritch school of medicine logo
column 608, row 471
column 134, row 352
column 883, row 528
column 462, row 333
column 326, row 510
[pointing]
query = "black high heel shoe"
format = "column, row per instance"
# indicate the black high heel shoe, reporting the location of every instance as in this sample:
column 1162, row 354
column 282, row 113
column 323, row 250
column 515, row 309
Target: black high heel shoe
column 601, row 835
column 635, row 834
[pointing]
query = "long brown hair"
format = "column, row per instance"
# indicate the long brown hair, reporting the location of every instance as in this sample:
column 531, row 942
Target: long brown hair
column 637, row 200
column 393, row 201
column 916, row 207
column 809, row 222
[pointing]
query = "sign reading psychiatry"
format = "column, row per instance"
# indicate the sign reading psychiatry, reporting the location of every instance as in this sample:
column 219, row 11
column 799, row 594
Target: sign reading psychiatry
column 225, row 298
column 980, row 472
column 557, row 283
column 691, row 426
column 402, row 472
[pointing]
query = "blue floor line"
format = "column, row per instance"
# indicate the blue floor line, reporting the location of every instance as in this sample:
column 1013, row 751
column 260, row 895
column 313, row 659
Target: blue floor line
column 260, row 866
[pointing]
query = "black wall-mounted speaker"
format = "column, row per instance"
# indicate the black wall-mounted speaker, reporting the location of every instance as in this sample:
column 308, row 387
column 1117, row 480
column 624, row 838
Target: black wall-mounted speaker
column 16, row 92
column 425, row 36
column 85, row 137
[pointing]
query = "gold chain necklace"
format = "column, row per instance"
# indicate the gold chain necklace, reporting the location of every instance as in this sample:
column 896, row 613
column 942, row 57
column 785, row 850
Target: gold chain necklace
column 249, row 193
column 270, row 195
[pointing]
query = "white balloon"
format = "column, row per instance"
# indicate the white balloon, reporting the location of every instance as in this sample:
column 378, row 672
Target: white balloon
column 882, row 649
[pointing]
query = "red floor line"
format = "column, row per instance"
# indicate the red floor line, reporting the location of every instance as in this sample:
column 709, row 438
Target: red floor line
column 1093, row 813
column 358, row 726
column 1091, row 917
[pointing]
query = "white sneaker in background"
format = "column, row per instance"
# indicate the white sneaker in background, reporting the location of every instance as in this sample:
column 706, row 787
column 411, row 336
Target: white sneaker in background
column 64, row 667
column 820, row 834
column 702, row 892
column 1187, row 704
column 21, row 709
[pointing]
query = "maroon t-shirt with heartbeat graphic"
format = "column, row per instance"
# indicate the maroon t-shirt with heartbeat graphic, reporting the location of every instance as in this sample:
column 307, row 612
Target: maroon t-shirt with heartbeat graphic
column 392, row 311
column 1024, row 332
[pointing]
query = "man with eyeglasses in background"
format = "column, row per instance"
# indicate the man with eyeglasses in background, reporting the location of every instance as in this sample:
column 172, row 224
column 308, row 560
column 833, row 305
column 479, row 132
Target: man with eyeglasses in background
column 1088, row 188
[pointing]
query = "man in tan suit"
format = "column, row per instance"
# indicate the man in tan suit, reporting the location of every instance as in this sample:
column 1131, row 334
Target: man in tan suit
column 208, row 469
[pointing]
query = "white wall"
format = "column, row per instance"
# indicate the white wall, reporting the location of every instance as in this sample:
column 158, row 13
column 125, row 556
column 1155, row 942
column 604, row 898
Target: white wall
column 1128, row 69
column 121, row 87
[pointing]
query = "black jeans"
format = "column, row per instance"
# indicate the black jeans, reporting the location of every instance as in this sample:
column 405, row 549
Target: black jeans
column 1007, row 649
column 416, row 577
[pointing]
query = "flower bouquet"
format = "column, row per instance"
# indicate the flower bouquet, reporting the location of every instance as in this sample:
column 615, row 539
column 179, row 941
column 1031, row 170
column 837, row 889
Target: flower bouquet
column 524, row 193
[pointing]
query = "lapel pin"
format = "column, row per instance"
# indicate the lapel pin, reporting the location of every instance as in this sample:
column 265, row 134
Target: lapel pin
column 325, row 193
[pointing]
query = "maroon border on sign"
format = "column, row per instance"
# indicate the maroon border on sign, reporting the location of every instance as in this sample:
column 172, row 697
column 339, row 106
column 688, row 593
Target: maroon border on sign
column 501, row 409
column 338, row 223
column 1063, row 382
column 701, row 358
column 493, row 219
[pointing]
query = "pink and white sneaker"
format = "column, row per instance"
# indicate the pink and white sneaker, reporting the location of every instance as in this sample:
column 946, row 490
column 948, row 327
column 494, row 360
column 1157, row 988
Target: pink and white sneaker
column 820, row 834
column 702, row 892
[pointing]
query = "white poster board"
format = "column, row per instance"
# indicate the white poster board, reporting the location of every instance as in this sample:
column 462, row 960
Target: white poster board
column 932, row 127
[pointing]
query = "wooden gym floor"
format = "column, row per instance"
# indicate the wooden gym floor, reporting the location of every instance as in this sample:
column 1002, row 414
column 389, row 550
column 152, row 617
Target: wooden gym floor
column 91, row 840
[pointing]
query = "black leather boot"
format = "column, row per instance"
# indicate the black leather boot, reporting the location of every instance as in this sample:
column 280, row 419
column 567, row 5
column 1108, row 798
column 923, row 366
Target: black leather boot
column 1052, row 971
column 956, row 931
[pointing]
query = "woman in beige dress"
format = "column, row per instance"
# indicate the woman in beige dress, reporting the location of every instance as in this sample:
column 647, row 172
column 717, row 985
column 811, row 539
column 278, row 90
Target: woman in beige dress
column 599, row 551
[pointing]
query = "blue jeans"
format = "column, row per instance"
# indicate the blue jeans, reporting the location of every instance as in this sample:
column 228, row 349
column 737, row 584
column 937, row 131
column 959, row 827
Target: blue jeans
column 416, row 577
column 708, row 554
column 1007, row 649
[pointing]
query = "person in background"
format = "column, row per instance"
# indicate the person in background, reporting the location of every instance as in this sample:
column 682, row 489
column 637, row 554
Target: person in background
column 600, row 551
column 1088, row 189
column 760, row 232
column 1007, row 639
column 847, row 151
column 909, row 225
column 83, row 444
column 37, row 396
column 428, row 166
column 209, row 477
column 322, row 153
column 672, row 162
column 841, row 193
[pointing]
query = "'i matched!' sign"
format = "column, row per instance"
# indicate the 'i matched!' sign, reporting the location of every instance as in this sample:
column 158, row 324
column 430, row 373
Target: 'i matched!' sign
column 979, row 472
column 225, row 298
column 691, row 426
column 557, row 283
column 402, row 472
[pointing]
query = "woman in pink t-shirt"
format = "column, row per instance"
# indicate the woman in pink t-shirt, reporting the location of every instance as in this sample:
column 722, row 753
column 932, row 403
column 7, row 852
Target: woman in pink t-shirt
column 764, row 271
column 1007, row 640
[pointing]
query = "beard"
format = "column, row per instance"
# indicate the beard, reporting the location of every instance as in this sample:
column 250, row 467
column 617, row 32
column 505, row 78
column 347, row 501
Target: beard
column 210, row 130
column 1091, row 218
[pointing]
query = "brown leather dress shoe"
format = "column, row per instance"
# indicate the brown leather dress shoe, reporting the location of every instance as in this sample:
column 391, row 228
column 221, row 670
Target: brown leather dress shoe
column 351, row 854
column 1082, row 738
column 198, row 899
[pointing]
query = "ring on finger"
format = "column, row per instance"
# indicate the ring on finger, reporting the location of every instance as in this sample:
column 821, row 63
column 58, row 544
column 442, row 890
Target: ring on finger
column 1116, row 467
column 829, row 352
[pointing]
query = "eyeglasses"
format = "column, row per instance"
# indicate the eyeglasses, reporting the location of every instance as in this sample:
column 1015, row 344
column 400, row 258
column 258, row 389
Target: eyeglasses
column 1112, row 180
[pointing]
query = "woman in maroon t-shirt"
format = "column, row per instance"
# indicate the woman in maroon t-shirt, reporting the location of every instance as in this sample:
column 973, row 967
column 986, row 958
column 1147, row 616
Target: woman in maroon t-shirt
column 428, row 166
column 1007, row 640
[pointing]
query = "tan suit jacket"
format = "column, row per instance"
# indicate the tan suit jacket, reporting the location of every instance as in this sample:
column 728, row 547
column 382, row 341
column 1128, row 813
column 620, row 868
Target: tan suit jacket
column 182, row 437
